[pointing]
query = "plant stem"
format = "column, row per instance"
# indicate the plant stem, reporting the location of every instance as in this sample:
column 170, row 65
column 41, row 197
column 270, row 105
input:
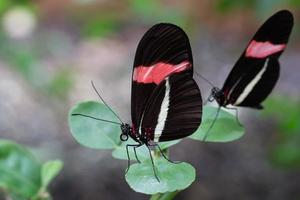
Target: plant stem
column 164, row 196
column 156, row 196
column 169, row 195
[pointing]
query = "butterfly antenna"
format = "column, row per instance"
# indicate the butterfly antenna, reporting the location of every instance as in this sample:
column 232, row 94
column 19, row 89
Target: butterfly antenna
column 211, row 125
column 105, row 102
column 210, row 83
column 103, row 120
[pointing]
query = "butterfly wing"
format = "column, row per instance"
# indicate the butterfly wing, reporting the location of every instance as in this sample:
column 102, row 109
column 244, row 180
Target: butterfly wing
column 163, row 50
column 256, row 72
column 174, row 110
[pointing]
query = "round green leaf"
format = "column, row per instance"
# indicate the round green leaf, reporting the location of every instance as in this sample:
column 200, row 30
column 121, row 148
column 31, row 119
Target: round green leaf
column 225, row 129
column 49, row 171
column 94, row 133
column 120, row 151
column 19, row 170
column 172, row 177
column 142, row 152
column 165, row 145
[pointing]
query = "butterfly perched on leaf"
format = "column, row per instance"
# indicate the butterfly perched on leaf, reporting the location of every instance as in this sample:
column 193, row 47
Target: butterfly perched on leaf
column 256, row 72
column 166, row 102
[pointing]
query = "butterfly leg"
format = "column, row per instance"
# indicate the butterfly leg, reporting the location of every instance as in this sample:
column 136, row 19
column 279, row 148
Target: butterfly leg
column 152, row 162
column 165, row 157
column 128, row 156
column 212, row 124
column 135, row 154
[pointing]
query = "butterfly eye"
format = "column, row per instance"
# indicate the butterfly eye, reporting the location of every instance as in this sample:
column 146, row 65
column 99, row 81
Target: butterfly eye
column 215, row 93
column 123, row 137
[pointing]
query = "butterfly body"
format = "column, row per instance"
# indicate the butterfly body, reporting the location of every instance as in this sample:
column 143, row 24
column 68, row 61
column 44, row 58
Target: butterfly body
column 141, row 138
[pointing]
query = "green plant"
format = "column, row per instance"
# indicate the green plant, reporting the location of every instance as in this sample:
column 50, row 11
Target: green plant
column 5, row 5
column 144, row 10
column 22, row 176
column 261, row 7
column 173, row 177
column 284, row 151
column 26, row 61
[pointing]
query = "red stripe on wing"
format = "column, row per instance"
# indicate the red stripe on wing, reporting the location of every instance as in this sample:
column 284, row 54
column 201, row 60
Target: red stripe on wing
column 263, row 49
column 158, row 72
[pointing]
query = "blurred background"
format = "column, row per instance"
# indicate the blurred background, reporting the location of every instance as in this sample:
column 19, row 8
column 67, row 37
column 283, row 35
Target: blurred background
column 50, row 50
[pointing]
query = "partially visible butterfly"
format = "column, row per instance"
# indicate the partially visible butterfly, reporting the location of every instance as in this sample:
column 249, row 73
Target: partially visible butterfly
column 166, row 102
column 257, row 70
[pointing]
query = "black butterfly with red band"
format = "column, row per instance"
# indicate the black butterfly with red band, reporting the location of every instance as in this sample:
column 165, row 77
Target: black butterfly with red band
column 256, row 72
column 166, row 102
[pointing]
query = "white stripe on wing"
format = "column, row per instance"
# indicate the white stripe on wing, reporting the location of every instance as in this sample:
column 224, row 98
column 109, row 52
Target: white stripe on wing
column 252, row 84
column 163, row 113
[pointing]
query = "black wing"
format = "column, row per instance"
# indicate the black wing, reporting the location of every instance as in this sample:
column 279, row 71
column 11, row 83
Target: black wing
column 174, row 110
column 163, row 50
column 256, row 72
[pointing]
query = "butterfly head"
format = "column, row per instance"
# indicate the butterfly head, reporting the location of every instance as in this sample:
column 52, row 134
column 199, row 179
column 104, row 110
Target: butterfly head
column 126, row 132
column 218, row 95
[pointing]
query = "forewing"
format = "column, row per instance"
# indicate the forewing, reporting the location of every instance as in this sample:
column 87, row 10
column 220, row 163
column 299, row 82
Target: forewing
column 174, row 110
column 163, row 50
column 258, row 66
column 254, row 94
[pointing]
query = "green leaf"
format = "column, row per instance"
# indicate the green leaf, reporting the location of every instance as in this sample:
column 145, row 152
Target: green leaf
column 19, row 170
column 165, row 145
column 49, row 171
column 60, row 84
column 172, row 177
column 287, row 153
column 225, row 129
column 142, row 152
column 145, row 8
column 16, row 197
column 285, row 149
column 276, row 105
column 294, row 3
column 101, row 27
column 4, row 6
column 93, row 133
column 224, row 6
column 120, row 151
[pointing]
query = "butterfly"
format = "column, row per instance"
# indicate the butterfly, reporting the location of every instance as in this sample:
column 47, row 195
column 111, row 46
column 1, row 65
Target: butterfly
column 166, row 102
column 256, row 72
